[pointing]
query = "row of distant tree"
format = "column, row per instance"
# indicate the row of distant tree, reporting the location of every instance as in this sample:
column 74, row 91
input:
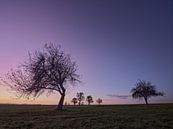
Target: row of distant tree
column 80, row 98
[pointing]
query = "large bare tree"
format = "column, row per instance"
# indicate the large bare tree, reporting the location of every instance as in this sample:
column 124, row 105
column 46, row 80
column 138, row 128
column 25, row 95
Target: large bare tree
column 48, row 70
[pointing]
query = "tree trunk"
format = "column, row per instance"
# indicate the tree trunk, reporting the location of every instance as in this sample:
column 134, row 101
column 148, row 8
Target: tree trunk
column 146, row 101
column 61, row 102
column 79, row 103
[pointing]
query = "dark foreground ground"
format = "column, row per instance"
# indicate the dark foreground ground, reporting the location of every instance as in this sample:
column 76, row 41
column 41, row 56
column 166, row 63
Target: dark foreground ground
column 93, row 117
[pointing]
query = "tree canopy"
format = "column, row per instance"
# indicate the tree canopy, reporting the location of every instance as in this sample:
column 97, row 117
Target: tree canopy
column 89, row 99
column 144, row 89
column 74, row 101
column 99, row 101
column 80, row 97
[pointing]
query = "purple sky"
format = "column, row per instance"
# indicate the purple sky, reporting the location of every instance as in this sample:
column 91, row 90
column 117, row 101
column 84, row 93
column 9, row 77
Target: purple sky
column 114, row 42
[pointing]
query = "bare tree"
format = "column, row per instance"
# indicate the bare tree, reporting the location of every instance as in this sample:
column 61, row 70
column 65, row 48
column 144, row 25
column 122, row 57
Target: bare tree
column 89, row 99
column 145, row 90
column 80, row 97
column 99, row 101
column 74, row 101
column 50, row 69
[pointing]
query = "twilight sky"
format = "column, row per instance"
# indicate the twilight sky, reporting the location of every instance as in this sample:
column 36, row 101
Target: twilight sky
column 114, row 42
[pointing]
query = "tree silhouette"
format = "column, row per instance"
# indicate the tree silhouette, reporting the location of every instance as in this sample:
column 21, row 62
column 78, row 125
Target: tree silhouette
column 48, row 70
column 89, row 99
column 145, row 90
column 80, row 97
column 99, row 101
column 74, row 101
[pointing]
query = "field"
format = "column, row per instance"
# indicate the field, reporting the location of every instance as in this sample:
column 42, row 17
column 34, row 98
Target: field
column 87, row 117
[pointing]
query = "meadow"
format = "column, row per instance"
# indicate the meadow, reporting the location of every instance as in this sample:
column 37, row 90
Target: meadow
column 87, row 117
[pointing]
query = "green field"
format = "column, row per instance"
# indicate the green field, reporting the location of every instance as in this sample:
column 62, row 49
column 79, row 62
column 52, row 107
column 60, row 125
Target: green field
column 87, row 117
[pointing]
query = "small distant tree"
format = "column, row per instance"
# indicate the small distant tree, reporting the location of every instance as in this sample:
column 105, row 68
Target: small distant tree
column 66, row 103
column 89, row 99
column 99, row 101
column 48, row 70
column 144, row 89
column 80, row 97
column 74, row 101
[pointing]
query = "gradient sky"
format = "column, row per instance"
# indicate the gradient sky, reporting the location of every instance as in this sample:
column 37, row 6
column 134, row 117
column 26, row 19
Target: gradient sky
column 114, row 42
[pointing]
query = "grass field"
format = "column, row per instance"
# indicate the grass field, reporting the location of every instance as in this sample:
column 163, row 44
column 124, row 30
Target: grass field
column 87, row 117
